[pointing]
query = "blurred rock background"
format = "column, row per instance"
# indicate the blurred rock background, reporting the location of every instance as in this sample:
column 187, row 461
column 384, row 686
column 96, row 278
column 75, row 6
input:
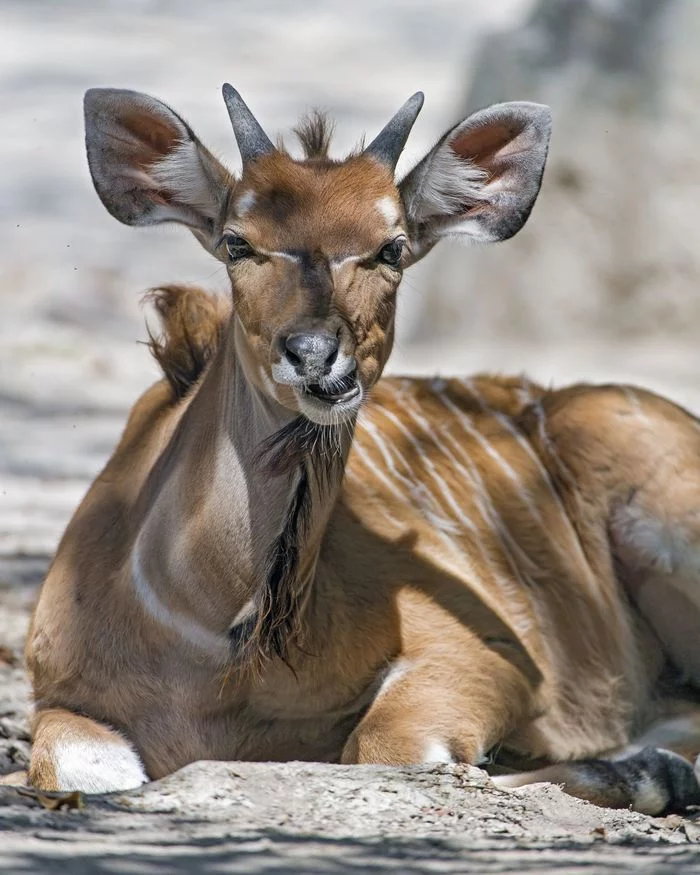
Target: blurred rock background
column 602, row 283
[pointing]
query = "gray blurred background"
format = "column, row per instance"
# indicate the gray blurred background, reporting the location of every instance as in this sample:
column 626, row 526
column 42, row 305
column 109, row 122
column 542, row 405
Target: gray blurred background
column 603, row 283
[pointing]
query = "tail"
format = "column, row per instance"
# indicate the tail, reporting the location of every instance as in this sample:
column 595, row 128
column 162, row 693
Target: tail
column 192, row 322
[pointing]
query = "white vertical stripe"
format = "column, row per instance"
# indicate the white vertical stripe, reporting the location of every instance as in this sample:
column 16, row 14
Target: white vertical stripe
column 192, row 631
column 544, row 473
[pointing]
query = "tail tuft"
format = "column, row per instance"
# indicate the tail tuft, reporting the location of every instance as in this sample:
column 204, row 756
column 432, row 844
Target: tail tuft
column 192, row 327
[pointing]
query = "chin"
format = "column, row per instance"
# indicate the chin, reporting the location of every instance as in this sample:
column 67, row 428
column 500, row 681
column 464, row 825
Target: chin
column 330, row 410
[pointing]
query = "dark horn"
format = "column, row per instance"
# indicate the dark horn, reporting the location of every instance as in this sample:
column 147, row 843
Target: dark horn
column 389, row 142
column 251, row 138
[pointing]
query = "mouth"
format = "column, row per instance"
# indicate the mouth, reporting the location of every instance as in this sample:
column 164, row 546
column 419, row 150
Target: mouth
column 340, row 392
column 333, row 403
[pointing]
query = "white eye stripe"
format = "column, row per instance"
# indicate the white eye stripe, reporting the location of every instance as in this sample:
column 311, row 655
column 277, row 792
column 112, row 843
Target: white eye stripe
column 364, row 256
column 297, row 258
column 339, row 262
column 289, row 256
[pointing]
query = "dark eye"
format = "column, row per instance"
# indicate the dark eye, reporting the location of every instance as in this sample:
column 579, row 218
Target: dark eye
column 391, row 253
column 237, row 247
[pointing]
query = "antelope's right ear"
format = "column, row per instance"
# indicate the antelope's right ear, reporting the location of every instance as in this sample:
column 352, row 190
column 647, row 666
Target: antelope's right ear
column 147, row 165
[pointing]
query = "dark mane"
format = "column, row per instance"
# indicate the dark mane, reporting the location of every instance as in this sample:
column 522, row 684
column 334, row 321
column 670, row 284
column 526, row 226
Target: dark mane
column 314, row 132
column 192, row 323
column 312, row 454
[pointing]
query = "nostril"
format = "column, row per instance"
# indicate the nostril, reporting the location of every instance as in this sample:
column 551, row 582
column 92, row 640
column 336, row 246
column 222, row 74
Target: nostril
column 292, row 357
column 294, row 349
column 312, row 353
column 331, row 360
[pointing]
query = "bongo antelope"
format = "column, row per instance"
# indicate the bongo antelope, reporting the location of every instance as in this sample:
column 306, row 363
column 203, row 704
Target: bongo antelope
column 288, row 557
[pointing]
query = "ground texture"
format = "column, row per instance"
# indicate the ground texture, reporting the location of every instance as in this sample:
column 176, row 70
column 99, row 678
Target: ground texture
column 299, row 817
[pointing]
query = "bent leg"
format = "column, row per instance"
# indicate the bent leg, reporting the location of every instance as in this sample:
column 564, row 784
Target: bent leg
column 71, row 752
column 653, row 775
column 632, row 460
column 434, row 709
column 651, row 781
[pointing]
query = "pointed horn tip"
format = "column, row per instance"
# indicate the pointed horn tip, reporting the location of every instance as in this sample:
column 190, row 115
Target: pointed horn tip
column 229, row 92
column 388, row 145
column 251, row 138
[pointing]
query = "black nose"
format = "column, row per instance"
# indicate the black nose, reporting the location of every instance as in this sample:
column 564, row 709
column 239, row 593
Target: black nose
column 312, row 353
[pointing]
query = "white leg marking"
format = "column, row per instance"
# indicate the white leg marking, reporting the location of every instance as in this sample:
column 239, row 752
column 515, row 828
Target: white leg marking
column 648, row 799
column 98, row 766
column 437, row 752
column 397, row 670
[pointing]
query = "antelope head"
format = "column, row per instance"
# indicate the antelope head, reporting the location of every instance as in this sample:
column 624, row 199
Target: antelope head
column 315, row 248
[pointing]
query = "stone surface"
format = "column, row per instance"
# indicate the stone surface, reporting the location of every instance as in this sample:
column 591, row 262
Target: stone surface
column 294, row 817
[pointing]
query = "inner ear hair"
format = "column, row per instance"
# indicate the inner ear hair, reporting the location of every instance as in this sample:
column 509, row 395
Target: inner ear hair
column 481, row 179
column 453, row 184
column 148, row 166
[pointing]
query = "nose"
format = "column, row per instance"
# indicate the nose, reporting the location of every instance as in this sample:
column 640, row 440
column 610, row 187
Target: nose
column 312, row 353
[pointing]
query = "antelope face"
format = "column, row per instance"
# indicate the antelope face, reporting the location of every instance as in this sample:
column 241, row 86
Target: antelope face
column 315, row 253
column 315, row 248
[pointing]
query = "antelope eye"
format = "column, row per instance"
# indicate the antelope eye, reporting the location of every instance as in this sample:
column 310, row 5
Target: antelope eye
column 392, row 252
column 237, row 247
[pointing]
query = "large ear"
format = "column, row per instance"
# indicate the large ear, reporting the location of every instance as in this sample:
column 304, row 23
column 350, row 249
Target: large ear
column 481, row 180
column 147, row 165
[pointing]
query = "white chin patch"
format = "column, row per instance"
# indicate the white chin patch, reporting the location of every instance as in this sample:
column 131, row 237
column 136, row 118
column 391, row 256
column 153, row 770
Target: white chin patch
column 98, row 766
column 328, row 414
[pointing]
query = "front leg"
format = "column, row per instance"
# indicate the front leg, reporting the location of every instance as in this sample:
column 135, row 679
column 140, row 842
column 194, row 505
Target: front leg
column 71, row 752
column 434, row 707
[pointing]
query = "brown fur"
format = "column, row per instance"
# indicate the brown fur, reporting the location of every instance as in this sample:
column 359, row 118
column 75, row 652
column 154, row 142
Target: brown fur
column 583, row 637
column 475, row 568
column 192, row 323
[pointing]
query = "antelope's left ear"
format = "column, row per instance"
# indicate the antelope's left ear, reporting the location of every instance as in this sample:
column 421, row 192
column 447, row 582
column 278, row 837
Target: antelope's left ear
column 481, row 180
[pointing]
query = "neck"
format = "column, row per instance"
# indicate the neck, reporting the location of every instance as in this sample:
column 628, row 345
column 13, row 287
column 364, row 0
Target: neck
column 232, row 536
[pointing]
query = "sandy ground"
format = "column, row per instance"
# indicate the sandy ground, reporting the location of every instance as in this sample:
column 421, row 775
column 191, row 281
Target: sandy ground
column 70, row 365
column 308, row 818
